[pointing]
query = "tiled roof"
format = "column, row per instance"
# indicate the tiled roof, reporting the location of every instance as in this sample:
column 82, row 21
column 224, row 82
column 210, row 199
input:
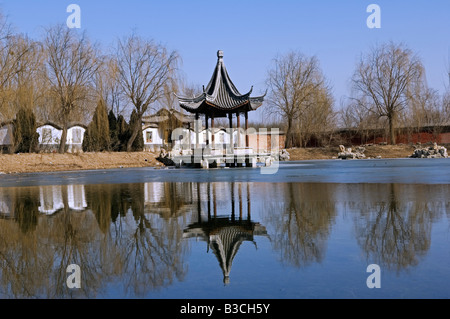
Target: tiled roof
column 221, row 94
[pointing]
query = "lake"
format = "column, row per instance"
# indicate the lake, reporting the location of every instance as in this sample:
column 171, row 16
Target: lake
column 309, row 230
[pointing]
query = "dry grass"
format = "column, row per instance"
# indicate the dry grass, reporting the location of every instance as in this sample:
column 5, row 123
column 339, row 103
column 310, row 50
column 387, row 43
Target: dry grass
column 46, row 162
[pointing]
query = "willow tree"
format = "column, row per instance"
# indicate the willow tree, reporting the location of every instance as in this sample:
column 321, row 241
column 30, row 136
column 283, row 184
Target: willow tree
column 72, row 62
column 294, row 81
column 108, row 87
column 20, row 67
column 144, row 69
column 26, row 139
column 384, row 77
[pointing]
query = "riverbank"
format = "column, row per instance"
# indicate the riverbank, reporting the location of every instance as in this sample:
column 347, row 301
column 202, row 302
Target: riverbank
column 47, row 162
column 371, row 151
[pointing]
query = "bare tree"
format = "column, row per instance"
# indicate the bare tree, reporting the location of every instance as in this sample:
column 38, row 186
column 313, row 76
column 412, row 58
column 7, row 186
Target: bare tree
column 144, row 70
column 424, row 110
column 72, row 62
column 292, row 82
column 108, row 87
column 19, row 63
column 28, row 78
column 446, row 106
column 318, row 121
column 169, row 100
column 383, row 77
column 359, row 119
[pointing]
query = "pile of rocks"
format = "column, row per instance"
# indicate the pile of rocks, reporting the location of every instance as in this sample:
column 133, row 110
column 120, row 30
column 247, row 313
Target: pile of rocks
column 349, row 154
column 434, row 151
column 284, row 155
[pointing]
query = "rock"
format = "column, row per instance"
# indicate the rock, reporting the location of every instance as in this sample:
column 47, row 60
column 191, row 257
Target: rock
column 284, row 155
column 434, row 151
column 435, row 146
column 349, row 154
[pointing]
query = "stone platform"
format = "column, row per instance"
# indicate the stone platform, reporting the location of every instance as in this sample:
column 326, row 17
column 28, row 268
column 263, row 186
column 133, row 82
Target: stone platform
column 214, row 158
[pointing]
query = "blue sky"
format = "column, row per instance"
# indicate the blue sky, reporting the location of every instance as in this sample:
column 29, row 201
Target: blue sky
column 251, row 33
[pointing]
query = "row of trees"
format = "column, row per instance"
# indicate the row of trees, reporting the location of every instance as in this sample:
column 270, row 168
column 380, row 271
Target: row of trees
column 300, row 96
column 63, row 77
column 106, row 132
column 389, row 90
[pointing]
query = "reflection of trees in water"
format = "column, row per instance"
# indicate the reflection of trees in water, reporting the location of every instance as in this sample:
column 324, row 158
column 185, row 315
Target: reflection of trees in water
column 26, row 208
column 33, row 263
column 393, row 231
column 148, row 247
column 300, row 216
column 117, row 236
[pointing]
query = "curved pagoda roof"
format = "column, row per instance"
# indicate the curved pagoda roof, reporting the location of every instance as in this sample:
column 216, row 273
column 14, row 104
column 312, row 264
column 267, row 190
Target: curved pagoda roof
column 221, row 97
column 224, row 236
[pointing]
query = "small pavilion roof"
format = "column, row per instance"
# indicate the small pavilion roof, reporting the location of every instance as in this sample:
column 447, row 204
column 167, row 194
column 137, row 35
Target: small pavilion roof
column 165, row 114
column 224, row 236
column 221, row 96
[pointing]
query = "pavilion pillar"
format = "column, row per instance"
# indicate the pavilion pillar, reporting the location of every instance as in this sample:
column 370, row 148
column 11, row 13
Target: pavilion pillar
column 214, row 199
column 230, row 120
column 189, row 135
column 196, row 128
column 246, row 129
column 248, row 202
column 232, row 202
column 199, row 206
column 212, row 132
column 238, row 119
column 206, row 129
column 209, row 201
column 240, row 200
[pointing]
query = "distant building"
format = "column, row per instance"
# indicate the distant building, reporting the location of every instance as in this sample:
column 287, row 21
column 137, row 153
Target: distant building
column 75, row 135
column 6, row 136
column 266, row 140
column 50, row 137
column 157, row 128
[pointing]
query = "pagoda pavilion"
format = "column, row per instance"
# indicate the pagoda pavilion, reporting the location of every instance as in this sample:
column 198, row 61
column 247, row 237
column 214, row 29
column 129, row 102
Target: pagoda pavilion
column 221, row 99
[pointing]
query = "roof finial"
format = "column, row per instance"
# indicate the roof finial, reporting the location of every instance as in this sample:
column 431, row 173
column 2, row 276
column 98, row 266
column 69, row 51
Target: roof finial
column 220, row 54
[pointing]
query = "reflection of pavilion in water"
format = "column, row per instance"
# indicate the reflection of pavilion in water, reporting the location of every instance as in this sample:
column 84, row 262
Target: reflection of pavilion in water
column 224, row 234
column 169, row 199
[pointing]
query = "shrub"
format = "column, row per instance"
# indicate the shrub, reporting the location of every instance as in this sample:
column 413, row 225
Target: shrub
column 26, row 138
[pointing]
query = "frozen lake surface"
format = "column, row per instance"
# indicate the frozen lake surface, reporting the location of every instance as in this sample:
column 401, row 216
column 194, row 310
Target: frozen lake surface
column 411, row 171
column 309, row 230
